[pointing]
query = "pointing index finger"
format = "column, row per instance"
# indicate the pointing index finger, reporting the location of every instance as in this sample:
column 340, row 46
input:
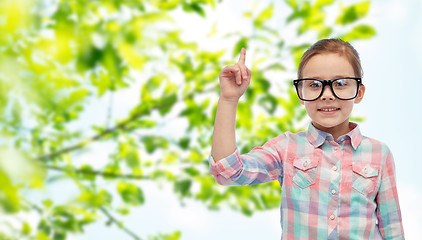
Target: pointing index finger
column 242, row 56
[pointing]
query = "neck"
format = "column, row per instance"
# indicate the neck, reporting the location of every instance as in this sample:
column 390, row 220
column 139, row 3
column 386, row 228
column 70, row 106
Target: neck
column 335, row 131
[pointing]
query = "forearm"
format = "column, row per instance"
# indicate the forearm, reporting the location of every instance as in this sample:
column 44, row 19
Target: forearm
column 224, row 136
column 388, row 209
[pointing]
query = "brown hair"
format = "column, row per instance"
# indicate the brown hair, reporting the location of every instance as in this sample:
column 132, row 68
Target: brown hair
column 332, row 46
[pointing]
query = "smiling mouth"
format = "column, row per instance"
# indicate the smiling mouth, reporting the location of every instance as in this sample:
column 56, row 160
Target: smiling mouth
column 328, row 109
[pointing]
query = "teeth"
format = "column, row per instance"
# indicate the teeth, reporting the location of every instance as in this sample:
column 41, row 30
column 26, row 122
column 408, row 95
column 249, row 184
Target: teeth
column 328, row 109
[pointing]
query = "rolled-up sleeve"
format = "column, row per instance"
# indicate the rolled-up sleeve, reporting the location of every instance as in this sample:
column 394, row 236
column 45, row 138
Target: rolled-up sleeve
column 388, row 211
column 261, row 164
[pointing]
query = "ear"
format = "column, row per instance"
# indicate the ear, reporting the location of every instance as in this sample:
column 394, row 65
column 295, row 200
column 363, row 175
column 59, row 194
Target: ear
column 361, row 92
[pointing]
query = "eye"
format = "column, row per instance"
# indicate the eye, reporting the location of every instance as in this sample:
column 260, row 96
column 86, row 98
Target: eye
column 340, row 83
column 315, row 84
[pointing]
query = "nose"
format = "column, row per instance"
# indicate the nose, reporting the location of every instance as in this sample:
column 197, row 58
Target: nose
column 327, row 94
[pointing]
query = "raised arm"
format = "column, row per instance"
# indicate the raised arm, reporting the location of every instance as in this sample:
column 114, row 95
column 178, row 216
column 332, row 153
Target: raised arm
column 234, row 80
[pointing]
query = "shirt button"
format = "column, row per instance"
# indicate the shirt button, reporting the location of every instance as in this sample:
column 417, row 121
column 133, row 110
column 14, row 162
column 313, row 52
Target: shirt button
column 332, row 217
column 334, row 168
column 333, row 191
column 335, row 148
column 305, row 164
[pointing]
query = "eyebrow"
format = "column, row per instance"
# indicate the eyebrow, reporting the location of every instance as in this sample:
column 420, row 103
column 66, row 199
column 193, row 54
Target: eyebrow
column 335, row 77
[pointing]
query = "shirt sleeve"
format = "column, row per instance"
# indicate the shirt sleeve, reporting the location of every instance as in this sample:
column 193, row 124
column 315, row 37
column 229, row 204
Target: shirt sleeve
column 260, row 165
column 388, row 210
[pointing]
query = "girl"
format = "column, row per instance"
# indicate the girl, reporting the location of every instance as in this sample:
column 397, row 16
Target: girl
column 336, row 183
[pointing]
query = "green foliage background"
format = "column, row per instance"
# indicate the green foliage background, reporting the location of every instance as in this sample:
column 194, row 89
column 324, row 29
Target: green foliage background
column 62, row 62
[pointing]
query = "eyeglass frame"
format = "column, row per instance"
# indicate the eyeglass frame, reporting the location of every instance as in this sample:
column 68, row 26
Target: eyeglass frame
column 327, row 83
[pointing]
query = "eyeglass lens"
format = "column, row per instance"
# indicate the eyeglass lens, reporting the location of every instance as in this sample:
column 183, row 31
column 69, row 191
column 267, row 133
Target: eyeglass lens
column 343, row 88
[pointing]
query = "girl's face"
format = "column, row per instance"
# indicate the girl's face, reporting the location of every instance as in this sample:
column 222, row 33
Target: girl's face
column 329, row 113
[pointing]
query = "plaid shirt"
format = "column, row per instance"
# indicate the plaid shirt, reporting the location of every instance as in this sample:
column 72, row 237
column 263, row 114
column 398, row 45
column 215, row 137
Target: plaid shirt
column 344, row 189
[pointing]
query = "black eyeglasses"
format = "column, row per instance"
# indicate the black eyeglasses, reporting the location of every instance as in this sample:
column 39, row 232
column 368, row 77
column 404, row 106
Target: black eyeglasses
column 310, row 89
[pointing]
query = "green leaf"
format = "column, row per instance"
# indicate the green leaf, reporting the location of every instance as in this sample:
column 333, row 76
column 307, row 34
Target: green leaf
column 112, row 62
column 154, row 82
column 166, row 5
column 9, row 197
column 59, row 236
column 130, row 193
column 48, row 203
column 183, row 187
column 184, row 143
column 184, row 62
column 194, row 7
column 357, row 119
column 42, row 236
column 65, row 219
column 247, row 14
column 192, row 171
column 26, row 228
column 359, row 32
column 352, row 13
column 323, row 3
column 77, row 96
column 265, row 15
column 132, row 158
column 244, row 208
column 92, row 199
column 292, row 3
column 172, row 236
column 112, row 169
column 145, row 123
column 89, row 57
column 325, row 32
column 302, row 12
column 298, row 52
column 123, row 210
column 269, row 103
column 152, row 143
column 313, row 20
column 263, row 84
column 167, row 103
column 87, row 176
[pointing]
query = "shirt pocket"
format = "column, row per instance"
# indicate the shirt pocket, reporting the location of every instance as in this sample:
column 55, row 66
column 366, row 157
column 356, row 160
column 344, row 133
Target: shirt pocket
column 364, row 177
column 305, row 171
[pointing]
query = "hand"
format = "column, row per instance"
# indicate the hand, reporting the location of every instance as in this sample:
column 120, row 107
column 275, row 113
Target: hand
column 235, row 79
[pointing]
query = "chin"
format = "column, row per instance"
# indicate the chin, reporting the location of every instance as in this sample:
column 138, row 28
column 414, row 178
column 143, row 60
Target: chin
column 329, row 124
column 325, row 125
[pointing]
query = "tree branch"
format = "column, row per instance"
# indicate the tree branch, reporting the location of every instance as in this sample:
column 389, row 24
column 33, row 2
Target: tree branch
column 118, row 224
column 121, row 125
column 106, row 132
column 110, row 217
